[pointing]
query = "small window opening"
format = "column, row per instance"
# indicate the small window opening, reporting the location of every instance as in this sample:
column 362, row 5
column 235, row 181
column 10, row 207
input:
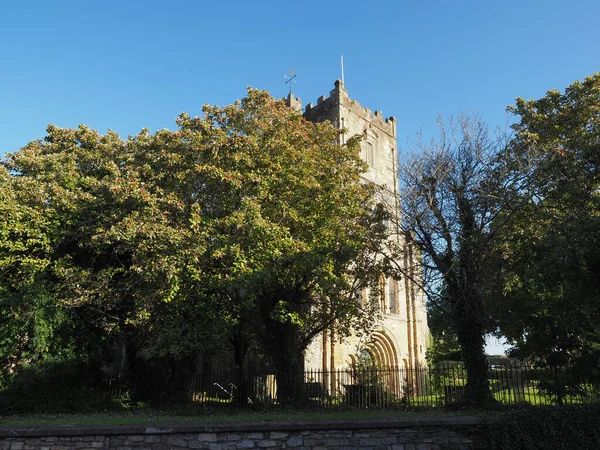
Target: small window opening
column 369, row 154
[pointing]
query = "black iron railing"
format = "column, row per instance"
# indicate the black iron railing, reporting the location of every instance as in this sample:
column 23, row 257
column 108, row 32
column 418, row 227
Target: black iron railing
column 359, row 387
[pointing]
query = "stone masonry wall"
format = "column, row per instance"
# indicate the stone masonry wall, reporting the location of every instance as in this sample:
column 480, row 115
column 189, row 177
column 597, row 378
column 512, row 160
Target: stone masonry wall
column 403, row 329
column 408, row 434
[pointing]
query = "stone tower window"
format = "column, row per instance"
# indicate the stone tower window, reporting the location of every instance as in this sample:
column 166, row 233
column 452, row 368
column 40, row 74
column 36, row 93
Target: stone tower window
column 369, row 154
column 393, row 293
column 383, row 293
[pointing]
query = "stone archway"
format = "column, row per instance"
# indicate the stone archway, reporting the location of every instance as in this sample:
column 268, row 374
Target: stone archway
column 385, row 356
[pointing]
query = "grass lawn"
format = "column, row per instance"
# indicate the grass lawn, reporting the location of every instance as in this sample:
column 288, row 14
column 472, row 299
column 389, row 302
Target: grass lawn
column 149, row 416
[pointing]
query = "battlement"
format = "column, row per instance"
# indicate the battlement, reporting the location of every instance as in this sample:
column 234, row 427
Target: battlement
column 338, row 98
column 293, row 102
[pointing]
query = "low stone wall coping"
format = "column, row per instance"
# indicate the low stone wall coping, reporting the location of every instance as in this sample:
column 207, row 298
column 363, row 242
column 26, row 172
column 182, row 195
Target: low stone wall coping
column 225, row 427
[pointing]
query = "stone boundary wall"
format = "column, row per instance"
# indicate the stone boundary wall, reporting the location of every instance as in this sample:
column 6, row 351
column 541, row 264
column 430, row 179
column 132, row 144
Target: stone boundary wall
column 390, row 434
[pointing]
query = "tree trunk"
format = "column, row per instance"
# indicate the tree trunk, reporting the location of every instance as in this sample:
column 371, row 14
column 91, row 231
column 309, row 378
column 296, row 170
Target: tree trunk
column 240, row 349
column 470, row 332
column 469, row 307
column 287, row 356
column 289, row 372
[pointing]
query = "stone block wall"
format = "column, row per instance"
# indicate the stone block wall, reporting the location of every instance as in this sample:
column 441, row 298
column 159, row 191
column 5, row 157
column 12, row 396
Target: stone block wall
column 407, row 434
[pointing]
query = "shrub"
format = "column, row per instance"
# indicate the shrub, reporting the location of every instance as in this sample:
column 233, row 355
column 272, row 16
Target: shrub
column 51, row 387
column 548, row 428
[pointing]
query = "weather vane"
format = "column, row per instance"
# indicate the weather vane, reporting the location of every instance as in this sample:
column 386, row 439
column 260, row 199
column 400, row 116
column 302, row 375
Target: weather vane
column 290, row 78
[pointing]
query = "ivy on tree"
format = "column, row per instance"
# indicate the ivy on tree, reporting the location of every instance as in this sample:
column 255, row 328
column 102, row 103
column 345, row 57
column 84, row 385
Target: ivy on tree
column 456, row 198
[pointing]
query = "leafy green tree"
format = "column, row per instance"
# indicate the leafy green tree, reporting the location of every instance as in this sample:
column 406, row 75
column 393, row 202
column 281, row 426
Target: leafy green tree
column 294, row 234
column 444, row 344
column 552, row 280
column 36, row 327
column 247, row 223
column 114, row 250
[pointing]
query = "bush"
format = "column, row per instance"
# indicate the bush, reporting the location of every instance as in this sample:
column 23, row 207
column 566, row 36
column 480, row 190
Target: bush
column 51, row 387
column 367, row 396
column 370, row 388
column 548, row 428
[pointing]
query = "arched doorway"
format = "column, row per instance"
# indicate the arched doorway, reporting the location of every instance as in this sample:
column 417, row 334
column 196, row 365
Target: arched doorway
column 381, row 353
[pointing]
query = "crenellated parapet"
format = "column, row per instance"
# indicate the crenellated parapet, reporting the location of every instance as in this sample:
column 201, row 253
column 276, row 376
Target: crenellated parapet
column 330, row 108
column 293, row 102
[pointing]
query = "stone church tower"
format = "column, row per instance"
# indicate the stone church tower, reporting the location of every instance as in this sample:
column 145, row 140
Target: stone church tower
column 402, row 336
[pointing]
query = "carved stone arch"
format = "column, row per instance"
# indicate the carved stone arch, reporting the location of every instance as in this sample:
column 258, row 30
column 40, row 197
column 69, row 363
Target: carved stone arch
column 405, row 363
column 385, row 349
column 384, row 352
column 353, row 360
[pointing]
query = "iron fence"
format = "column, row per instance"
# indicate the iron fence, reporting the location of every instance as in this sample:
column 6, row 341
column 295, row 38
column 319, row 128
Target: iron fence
column 362, row 387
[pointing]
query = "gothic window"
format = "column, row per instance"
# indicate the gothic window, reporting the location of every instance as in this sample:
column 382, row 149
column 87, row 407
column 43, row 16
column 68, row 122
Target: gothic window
column 393, row 296
column 382, row 292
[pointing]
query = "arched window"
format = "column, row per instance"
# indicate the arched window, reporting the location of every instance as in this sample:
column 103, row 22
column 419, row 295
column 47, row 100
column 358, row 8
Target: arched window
column 383, row 293
column 393, row 296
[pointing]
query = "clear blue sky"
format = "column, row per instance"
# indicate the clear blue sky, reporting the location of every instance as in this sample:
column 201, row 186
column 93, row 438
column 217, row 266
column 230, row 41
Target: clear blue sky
column 130, row 64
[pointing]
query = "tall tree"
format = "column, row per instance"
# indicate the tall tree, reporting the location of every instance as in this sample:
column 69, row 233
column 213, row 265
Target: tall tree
column 455, row 199
column 553, row 259
column 294, row 234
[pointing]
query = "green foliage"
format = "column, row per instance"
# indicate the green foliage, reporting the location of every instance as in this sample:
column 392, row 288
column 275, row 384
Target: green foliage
column 53, row 386
column 443, row 345
column 542, row 427
column 31, row 328
column 292, row 238
column 370, row 387
column 246, row 225
column 551, row 260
